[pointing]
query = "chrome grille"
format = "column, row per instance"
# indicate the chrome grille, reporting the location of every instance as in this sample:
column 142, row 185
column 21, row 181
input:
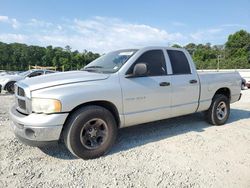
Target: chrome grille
column 22, row 102
column 20, row 92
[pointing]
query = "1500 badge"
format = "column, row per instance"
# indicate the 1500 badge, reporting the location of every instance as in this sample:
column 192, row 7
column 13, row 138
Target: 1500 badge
column 135, row 98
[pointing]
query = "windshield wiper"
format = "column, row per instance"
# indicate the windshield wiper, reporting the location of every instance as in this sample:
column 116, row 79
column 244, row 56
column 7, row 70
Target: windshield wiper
column 93, row 69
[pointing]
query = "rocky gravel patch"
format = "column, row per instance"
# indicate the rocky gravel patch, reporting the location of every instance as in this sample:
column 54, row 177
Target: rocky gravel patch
column 180, row 152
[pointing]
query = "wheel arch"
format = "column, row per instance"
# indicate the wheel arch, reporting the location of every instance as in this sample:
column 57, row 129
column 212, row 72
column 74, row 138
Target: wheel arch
column 224, row 91
column 105, row 104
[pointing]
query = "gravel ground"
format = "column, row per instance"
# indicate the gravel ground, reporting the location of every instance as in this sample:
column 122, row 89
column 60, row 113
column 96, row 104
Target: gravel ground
column 180, row 152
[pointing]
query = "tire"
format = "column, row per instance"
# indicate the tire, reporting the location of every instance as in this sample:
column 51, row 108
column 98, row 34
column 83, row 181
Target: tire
column 90, row 132
column 10, row 87
column 219, row 111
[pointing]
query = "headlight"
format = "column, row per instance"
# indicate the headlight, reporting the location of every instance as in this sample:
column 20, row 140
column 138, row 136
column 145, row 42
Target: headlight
column 46, row 105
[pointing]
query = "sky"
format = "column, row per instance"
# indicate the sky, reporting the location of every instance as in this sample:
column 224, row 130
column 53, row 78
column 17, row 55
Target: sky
column 102, row 26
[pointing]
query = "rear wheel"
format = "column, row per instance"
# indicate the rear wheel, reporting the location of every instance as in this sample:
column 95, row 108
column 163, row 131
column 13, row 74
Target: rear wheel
column 10, row 87
column 90, row 132
column 219, row 110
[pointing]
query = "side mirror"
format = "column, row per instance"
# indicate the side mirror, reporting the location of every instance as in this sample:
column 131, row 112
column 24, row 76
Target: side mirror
column 140, row 69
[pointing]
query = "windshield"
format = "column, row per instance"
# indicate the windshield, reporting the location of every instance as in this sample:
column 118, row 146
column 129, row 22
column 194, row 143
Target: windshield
column 110, row 62
column 25, row 73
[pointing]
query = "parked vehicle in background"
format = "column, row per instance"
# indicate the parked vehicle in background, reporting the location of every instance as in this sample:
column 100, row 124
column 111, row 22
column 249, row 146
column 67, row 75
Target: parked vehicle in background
column 120, row 89
column 7, row 81
column 3, row 73
column 248, row 85
column 243, row 84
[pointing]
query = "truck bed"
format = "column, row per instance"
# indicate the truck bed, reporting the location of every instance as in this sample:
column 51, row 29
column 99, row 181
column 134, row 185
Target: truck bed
column 211, row 81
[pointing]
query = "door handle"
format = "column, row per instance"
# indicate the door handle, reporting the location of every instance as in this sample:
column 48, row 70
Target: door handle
column 164, row 84
column 193, row 81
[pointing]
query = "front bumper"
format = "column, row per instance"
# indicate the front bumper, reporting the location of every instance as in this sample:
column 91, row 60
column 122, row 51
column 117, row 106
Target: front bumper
column 37, row 129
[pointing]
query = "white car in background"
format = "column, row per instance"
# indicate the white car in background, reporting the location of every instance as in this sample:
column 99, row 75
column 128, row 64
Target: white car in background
column 7, row 81
column 2, row 72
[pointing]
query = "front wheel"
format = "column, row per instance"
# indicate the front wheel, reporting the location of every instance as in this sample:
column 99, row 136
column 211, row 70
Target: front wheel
column 219, row 110
column 90, row 132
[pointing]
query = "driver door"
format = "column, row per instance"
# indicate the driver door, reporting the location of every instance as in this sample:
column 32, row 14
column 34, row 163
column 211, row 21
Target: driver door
column 147, row 98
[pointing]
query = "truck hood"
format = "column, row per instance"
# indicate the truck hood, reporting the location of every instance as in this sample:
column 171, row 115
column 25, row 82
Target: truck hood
column 62, row 78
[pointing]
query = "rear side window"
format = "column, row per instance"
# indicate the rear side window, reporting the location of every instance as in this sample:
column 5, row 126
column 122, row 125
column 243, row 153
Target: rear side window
column 155, row 63
column 179, row 62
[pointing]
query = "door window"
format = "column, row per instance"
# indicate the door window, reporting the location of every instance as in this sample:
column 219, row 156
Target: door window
column 155, row 61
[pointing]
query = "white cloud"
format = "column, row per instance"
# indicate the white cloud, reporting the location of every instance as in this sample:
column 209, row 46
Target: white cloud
column 213, row 35
column 109, row 33
column 59, row 27
column 13, row 38
column 234, row 25
column 206, row 35
column 4, row 18
column 12, row 21
column 15, row 24
column 102, row 34
column 39, row 23
column 214, row 30
column 99, row 34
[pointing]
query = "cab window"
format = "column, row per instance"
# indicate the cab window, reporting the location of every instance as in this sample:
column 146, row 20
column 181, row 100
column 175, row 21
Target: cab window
column 179, row 62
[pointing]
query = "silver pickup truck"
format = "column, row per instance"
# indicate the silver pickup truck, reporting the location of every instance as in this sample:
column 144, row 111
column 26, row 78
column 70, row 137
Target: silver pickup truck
column 122, row 88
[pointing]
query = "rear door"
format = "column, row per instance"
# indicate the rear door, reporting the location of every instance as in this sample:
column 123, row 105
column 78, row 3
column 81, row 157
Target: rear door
column 185, row 84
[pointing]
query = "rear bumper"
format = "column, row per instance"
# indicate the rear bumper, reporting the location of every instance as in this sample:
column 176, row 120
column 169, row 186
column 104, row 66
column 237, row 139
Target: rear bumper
column 37, row 129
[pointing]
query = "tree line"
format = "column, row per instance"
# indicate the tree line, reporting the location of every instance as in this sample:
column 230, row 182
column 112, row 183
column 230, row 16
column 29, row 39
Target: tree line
column 234, row 54
column 16, row 56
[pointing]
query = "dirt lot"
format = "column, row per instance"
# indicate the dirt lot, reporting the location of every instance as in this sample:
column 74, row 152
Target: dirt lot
column 181, row 152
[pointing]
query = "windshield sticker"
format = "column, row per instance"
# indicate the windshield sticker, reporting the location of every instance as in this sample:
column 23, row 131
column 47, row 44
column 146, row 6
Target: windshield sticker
column 126, row 53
